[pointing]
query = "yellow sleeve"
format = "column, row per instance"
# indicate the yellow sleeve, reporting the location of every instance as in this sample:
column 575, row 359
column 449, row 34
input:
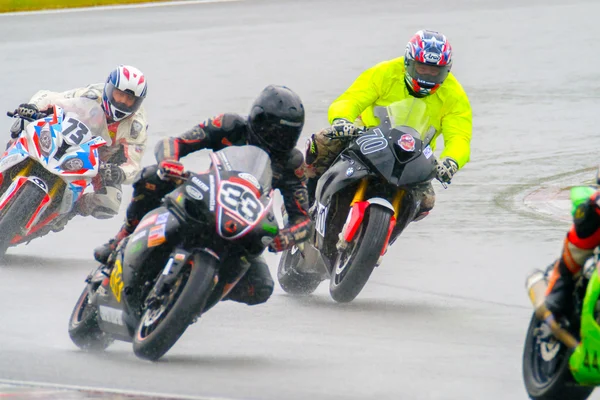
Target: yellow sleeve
column 456, row 129
column 363, row 92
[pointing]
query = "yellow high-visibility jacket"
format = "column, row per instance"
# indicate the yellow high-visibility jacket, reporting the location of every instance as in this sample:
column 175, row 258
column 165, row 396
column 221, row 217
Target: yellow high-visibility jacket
column 448, row 108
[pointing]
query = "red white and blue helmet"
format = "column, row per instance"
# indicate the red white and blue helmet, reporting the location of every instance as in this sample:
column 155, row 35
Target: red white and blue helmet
column 428, row 60
column 124, row 92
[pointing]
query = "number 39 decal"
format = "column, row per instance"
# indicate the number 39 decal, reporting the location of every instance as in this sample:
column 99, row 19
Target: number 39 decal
column 241, row 201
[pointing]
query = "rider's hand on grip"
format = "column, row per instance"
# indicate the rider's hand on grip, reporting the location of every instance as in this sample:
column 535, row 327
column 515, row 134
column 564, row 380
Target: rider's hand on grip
column 283, row 241
column 342, row 128
column 446, row 168
column 170, row 170
column 27, row 110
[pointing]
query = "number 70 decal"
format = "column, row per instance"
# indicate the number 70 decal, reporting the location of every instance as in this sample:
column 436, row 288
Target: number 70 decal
column 372, row 142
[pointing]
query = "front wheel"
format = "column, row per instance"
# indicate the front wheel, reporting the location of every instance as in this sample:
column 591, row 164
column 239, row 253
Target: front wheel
column 290, row 279
column 355, row 264
column 83, row 325
column 18, row 212
column 163, row 322
column 546, row 370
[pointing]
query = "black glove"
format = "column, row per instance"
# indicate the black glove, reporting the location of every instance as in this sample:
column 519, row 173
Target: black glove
column 446, row 168
column 342, row 127
column 27, row 110
column 112, row 174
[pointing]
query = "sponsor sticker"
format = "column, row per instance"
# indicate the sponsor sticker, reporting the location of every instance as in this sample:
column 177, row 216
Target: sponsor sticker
column 194, row 193
column 116, row 280
column 407, row 142
column 162, row 218
column 138, row 236
column 156, row 236
column 196, row 181
column 147, row 221
column 428, row 152
column 432, row 57
column 250, row 178
column 136, row 129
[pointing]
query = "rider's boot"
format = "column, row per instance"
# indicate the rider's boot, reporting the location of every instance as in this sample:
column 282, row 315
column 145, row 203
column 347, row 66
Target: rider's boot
column 561, row 284
column 102, row 253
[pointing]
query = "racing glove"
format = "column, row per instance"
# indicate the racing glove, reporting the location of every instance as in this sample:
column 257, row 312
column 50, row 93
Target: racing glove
column 446, row 168
column 170, row 169
column 112, row 174
column 25, row 112
column 288, row 237
column 342, row 127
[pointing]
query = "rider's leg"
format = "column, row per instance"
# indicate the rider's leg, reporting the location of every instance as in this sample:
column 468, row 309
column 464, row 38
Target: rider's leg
column 256, row 286
column 321, row 151
column 427, row 195
column 581, row 240
column 148, row 191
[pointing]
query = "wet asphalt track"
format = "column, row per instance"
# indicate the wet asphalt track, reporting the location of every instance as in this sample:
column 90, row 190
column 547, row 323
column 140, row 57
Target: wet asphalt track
column 444, row 316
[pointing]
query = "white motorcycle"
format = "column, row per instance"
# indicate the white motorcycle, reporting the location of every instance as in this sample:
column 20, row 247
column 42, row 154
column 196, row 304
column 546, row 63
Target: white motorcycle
column 44, row 172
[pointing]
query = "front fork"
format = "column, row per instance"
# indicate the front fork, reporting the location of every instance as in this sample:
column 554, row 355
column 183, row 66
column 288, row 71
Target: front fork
column 358, row 206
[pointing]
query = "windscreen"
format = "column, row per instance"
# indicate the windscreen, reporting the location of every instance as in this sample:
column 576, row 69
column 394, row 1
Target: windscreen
column 87, row 111
column 410, row 112
column 250, row 160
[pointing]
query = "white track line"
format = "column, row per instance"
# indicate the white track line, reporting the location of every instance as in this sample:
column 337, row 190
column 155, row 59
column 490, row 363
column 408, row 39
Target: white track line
column 45, row 385
column 115, row 7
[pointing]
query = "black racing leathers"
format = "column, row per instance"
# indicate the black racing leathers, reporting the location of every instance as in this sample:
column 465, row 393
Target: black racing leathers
column 217, row 133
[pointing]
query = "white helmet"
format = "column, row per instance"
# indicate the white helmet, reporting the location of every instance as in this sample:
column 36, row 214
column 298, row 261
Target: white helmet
column 124, row 92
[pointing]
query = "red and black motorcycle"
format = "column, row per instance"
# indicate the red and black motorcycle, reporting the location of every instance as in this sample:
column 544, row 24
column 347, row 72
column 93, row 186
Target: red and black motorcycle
column 183, row 258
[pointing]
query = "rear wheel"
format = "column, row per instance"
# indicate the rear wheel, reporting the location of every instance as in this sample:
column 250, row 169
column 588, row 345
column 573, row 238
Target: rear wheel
column 83, row 325
column 355, row 264
column 163, row 322
column 18, row 212
column 546, row 370
column 292, row 281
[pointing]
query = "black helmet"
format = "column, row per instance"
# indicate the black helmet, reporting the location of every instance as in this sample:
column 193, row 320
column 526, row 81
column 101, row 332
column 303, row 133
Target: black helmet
column 276, row 120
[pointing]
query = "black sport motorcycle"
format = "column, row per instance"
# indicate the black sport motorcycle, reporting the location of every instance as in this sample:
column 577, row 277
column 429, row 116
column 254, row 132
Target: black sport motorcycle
column 182, row 259
column 363, row 202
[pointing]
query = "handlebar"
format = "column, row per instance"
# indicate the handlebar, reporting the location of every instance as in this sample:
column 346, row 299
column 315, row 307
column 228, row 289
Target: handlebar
column 332, row 136
column 36, row 116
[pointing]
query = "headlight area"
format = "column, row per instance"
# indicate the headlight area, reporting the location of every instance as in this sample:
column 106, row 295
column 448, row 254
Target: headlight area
column 45, row 141
column 72, row 164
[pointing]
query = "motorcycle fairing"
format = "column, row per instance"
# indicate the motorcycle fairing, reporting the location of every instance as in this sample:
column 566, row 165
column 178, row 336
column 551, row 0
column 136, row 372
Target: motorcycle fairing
column 584, row 362
column 346, row 170
column 62, row 150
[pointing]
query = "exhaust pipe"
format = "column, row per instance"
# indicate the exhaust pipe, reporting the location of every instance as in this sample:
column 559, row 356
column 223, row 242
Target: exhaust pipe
column 536, row 288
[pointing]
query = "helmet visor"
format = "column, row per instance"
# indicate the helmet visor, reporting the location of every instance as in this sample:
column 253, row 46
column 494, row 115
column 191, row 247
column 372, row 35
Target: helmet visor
column 123, row 100
column 278, row 138
column 427, row 75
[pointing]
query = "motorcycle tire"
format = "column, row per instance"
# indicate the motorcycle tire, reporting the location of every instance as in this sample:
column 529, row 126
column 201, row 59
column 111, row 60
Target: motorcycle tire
column 361, row 255
column 159, row 330
column 539, row 383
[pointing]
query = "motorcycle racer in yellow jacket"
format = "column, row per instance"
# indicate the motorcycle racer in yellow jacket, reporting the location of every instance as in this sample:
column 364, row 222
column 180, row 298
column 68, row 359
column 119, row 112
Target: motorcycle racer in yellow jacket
column 423, row 72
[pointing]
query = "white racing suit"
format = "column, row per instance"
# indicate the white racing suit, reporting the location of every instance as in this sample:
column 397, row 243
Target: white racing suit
column 126, row 141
